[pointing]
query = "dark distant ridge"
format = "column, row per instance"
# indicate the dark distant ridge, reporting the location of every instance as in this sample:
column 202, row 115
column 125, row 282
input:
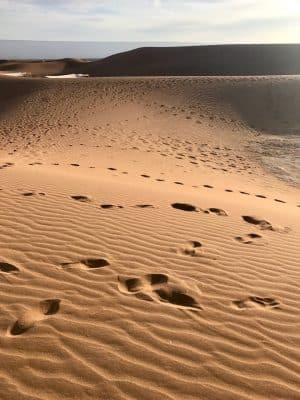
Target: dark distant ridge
column 276, row 59
column 201, row 60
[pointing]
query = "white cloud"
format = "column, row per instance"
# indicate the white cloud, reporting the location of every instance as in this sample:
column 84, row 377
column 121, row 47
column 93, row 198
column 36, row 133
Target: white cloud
column 151, row 20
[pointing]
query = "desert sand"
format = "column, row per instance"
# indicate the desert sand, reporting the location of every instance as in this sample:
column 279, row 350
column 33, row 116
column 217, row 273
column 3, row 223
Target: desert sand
column 146, row 252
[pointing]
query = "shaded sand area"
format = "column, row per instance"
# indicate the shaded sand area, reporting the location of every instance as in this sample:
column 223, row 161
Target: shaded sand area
column 145, row 251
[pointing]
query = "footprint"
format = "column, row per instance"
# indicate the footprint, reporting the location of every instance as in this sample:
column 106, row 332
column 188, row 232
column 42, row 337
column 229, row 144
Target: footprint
column 245, row 193
column 256, row 302
column 250, row 238
column 185, row 207
column 75, row 165
column 173, row 295
column 83, row 199
column 107, row 206
column 279, row 201
column 208, row 186
column 179, row 183
column 157, row 279
column 131, row 285
column 157, row 288
column 191, row 248
column 217, row 211
column 50, row 306
column 144, row 206
column 261, row 196
column 28, row 194
column 263, row 224
column 8, row 268
column 92, row 263
column 145, row 176
column 30, row 318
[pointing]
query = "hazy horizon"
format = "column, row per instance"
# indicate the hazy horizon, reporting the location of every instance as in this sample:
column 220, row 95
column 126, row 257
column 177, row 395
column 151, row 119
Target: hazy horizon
column 48, row 49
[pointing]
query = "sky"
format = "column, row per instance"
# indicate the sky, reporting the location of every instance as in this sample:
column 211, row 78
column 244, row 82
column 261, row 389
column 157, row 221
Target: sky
column 195, row 21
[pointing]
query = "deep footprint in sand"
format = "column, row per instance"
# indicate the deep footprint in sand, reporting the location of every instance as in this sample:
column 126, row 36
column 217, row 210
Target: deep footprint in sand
column 109, row 206
column 264, row 224
column 8, row 268
column 256, row 302
column 83, row 199
column 280, row 201
column 30, row 318
column 251, row 238
column 90, row 263
column 157, row 288
column 185, row 207
column 247, row 193
column 27, row 194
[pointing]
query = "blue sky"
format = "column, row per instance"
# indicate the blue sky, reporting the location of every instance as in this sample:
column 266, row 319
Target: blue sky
column 202, row 21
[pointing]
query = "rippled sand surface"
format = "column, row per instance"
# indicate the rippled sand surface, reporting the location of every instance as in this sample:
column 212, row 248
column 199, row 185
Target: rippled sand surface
column 146, row 252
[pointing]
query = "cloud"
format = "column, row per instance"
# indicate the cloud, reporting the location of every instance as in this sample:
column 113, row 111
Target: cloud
column 151, row 20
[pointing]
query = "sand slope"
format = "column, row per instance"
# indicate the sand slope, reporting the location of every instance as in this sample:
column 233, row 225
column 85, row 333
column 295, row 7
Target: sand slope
column 146, row 253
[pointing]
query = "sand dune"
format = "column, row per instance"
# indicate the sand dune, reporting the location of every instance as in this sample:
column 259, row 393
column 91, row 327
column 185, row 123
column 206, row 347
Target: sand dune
column 229, row 60
column 43, row 67
column 146, row 250
column 201, row 60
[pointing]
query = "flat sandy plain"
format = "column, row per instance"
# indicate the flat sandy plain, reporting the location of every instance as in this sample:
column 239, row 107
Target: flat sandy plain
column 145, row 251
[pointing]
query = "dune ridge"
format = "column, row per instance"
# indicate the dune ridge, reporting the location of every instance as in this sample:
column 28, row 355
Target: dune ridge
column 223, row 60
column 145, row 250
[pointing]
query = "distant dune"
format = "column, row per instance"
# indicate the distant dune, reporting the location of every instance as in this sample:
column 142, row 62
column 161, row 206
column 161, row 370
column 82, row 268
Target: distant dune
column 226, row 60
column 43, row 68
column 201, row 60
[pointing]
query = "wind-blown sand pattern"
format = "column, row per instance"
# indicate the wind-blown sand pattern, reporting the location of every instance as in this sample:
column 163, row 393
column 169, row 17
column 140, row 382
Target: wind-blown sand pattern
column 145, row 251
